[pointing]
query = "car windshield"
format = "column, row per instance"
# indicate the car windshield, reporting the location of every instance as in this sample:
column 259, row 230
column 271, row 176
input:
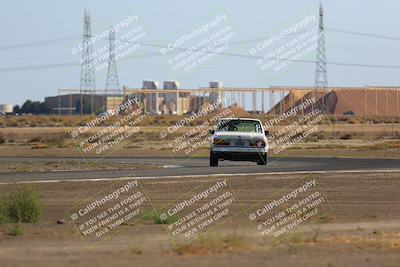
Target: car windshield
column 239, row 126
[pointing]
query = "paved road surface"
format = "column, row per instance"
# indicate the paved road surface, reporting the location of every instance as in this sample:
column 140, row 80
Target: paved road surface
column 199, row 166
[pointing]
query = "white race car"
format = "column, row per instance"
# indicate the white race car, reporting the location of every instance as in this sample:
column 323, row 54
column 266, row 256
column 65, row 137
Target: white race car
column 239, row 139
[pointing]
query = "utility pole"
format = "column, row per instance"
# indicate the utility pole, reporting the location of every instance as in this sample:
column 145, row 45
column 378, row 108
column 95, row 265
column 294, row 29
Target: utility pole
column 88, row 83
column 321, row 71
column 112, row 81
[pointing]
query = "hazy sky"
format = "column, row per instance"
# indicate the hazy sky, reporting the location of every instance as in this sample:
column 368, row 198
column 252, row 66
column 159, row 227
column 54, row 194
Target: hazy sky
column 28, row 22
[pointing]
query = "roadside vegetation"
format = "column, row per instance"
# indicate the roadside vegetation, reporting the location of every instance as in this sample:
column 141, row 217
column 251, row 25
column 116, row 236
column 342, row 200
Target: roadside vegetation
column 22, row 205
column 69, row 165
column 167, row 120
column 154, row 217
column 214, row 243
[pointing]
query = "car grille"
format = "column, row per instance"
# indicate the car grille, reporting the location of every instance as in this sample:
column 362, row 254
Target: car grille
column 239, row 142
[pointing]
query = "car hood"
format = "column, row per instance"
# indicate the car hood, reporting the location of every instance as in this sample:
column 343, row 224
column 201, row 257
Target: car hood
column 239, row 135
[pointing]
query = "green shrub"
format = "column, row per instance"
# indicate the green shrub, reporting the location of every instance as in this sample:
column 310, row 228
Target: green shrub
column 4, row 215
column 24, row 205
column 154, row 217
column 16, row 230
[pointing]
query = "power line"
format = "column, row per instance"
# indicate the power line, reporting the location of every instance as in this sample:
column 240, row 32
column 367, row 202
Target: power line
column 393, row 38
column 256, row 39
column 40, row 67
column 77, row 37
column 73, row 63
column 281, row 59
column 39, row 43
column 68, row 64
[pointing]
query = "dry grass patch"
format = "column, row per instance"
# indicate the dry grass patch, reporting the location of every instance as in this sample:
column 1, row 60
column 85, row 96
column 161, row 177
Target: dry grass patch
column 214, row 243
column 379, row 241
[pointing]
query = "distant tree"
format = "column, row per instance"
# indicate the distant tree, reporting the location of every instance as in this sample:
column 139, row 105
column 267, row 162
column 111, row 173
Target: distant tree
column 34, row 107
column 26, row 107
column 16, row 109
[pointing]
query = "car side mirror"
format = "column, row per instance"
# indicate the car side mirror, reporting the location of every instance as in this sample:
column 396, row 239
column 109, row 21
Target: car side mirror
column 211, row 131
column 266, row 133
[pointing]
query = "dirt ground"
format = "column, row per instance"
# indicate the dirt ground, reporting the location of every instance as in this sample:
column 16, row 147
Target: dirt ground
column 22, row 165
column 346, row 140
column 362, row 227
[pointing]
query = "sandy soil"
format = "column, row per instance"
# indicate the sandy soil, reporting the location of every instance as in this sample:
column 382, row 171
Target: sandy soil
column 69, row 165
column 362, row 228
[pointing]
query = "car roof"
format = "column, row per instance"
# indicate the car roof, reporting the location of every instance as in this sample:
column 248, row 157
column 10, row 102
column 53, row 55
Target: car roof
column 250, row 119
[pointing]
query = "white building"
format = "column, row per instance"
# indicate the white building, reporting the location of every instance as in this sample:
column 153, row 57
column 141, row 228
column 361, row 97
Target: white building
column 217, row 87
column 6, row 108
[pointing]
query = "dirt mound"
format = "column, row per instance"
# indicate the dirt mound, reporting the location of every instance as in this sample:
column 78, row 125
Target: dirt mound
column 234, row 111
column 366, row 102
column 239, row 112
column 379, row 102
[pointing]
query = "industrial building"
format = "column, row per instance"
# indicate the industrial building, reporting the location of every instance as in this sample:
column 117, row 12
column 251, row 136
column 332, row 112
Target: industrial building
column 173, row 100
column 70, row 103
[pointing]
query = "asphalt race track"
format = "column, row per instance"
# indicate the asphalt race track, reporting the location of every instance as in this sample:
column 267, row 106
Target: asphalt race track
column 199, row 167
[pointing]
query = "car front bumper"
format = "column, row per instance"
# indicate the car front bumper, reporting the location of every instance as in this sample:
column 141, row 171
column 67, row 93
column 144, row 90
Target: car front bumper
column 239, row 150
column 239, row 153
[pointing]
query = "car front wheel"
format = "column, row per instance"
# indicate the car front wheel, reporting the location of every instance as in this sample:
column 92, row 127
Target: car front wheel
column 213, row 160
column 262, row 160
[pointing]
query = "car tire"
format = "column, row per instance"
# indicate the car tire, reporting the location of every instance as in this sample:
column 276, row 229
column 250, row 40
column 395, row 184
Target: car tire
column 213, row 160
column 262, row 160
